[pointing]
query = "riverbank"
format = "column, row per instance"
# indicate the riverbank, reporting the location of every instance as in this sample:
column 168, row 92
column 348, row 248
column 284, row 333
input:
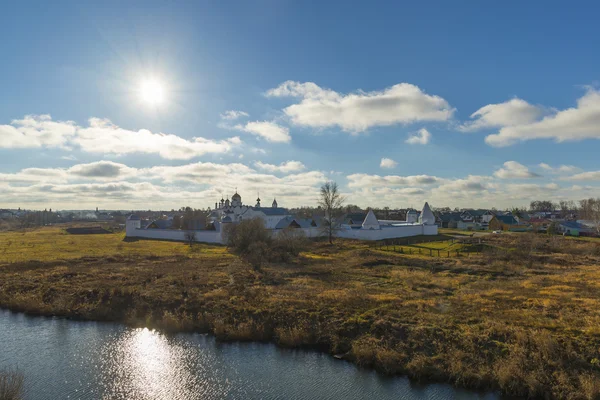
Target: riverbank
column 521, row 317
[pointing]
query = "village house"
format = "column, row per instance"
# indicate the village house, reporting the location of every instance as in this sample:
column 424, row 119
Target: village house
column 573, row 228
column 539, row 224
column 448, row 219
column 507, row 223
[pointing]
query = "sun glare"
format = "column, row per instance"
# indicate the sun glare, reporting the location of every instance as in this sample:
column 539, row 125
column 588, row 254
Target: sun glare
column 152, row 92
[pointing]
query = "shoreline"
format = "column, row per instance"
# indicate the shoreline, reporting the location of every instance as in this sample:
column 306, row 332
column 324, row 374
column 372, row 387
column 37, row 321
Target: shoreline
column 310, row 348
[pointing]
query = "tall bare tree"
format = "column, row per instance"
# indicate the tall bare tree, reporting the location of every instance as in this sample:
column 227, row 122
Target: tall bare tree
column 590, row 210
column 331, row 201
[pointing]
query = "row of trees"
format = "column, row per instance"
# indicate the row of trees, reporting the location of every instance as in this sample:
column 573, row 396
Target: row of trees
column 190, row 219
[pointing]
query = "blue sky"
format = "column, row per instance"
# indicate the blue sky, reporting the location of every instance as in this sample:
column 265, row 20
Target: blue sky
column 320, row 90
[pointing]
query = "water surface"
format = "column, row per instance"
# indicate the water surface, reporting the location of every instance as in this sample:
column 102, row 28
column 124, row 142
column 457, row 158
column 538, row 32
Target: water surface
column 64, row 359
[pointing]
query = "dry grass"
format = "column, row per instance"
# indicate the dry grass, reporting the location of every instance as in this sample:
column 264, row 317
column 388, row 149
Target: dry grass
column 52, row 243
column 523, row 320
column 11, row 385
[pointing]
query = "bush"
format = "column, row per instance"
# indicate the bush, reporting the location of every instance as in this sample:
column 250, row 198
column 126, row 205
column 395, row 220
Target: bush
column 240, row 237
column 252, row 241
column 11, row 385
column 289, row 242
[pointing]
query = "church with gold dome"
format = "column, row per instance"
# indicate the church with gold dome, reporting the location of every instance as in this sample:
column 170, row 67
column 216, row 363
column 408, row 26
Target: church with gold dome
column 231, row 211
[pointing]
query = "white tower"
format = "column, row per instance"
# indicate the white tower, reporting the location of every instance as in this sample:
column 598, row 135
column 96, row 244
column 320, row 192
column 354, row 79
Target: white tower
column 427, row 217
column 371, row 221
column 411, row 217
column 133, row 222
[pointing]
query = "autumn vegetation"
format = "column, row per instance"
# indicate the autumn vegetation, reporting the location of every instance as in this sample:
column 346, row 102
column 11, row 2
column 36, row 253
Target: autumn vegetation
column 11, row 385
column 520, row 317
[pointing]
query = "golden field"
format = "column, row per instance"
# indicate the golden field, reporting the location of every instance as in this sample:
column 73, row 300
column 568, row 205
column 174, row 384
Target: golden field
column 522, row 316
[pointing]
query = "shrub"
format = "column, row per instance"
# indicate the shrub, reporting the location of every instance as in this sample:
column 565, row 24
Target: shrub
column 11, row 385
column 289, row 242
column 252, row 241
column 293, row 336
column 240, row 237
column 257, row 253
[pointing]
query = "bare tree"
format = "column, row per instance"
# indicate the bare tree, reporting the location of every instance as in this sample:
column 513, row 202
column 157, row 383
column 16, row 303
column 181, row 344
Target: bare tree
column 331, row 201
column 590, row 210
column 542, row 205
column 566, row 208
column 190, row 237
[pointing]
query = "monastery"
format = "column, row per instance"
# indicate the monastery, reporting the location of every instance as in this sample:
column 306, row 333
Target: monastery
column 277, row 218
column 235, row 211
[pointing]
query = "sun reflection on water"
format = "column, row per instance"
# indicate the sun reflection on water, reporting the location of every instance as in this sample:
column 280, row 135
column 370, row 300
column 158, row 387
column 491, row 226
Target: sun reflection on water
column 145, row 364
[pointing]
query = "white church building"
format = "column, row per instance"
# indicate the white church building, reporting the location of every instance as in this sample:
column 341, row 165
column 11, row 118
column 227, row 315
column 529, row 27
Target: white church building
column 277, row 218
column 235, row 211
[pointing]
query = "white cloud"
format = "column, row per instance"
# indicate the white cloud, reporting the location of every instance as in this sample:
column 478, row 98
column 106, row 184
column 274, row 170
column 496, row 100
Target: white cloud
column 69, row 158
column 270, row 131
column 513, row 169
column 388, row 163
column 232, row 115
column 196, row 184
column 563, row 169
column 510, row 113
column 102, row 136
column 585, row 176
column 577, row 123
column 470, row 184
column 101, row 170
column 201, row 172
column 357, row 112
column 200, row 184
column 36, row 131
column 366, row 180
column 286, row 167
column 36, row 175
column 422, row 136
column 531, row 189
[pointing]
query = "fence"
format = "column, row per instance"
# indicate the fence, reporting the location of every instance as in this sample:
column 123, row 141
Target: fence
column 410, row 247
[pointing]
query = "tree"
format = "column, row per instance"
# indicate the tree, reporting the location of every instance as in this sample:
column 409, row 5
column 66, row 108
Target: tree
column 177, row 222
column 566, row 207
column 190, row 237
column 518, row 212
column 590, row 210
column 552, row 228
column 331, row 201
column 542, row 206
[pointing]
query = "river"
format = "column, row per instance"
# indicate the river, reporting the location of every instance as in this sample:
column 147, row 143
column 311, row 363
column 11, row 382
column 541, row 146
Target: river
column 64, row 359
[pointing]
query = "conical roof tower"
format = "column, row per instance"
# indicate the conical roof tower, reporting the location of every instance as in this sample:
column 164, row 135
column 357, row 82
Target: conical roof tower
column 371, row 221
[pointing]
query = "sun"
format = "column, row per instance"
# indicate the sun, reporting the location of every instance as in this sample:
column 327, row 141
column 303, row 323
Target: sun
column 152, row 91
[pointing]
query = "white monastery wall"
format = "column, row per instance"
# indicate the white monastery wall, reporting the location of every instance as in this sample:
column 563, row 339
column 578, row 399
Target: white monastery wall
column 375, row 234
column 175, row 234
column 359, row 234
